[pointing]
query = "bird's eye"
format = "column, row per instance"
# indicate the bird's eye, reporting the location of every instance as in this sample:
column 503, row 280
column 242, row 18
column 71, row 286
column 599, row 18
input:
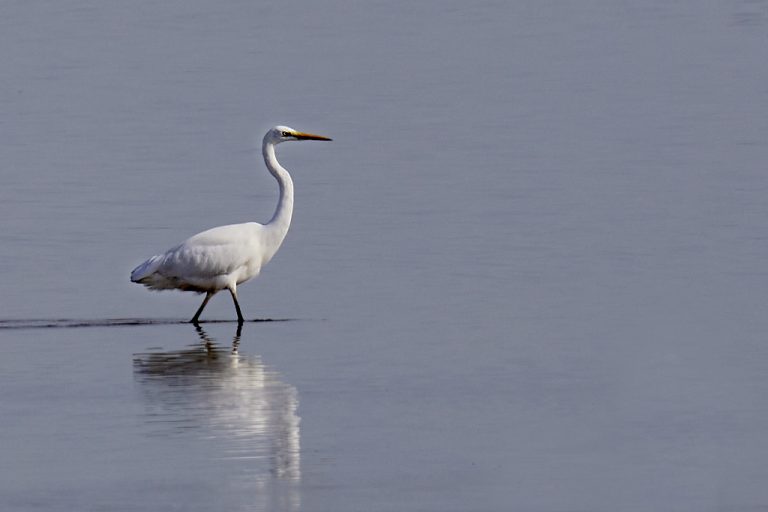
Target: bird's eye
column 286, row 134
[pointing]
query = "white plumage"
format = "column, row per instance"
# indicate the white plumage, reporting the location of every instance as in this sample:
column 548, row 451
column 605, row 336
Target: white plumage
column 226, row 256
column 208, row 261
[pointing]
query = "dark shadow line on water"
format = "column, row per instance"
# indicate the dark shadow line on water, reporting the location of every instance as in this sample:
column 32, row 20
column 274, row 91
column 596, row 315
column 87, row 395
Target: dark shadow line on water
column 70, row 323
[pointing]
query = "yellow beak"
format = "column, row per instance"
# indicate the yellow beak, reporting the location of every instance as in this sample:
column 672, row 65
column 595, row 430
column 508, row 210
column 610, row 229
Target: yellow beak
column 309, row 136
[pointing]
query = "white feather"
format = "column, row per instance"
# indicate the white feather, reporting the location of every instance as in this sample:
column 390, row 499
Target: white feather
column 209, row 261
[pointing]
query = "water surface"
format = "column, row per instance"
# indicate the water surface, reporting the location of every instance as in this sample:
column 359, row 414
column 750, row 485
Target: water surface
column 527, row 274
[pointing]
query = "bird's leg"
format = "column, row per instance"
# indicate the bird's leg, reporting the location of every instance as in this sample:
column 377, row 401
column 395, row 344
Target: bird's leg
column 195, row 318
column 236, row 339
column 240, row 318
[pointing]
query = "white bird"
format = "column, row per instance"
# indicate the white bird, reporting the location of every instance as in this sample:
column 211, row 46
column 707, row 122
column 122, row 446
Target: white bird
column 226, row 256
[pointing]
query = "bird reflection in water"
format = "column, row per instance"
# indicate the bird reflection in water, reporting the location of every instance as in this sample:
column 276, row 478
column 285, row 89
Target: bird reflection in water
column 220, row 396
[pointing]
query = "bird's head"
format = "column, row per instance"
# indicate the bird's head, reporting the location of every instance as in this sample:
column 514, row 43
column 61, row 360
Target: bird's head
column 280, row 134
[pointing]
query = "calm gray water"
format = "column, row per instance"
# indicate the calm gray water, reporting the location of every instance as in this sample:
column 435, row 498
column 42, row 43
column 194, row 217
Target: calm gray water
column 528, row 274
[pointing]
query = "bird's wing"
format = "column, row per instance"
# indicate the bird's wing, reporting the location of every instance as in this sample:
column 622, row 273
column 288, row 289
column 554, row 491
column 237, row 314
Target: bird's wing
column 215, row 252
column 206, row 261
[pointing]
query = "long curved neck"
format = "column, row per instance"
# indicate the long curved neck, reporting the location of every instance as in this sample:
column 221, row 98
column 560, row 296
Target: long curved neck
column 281, row 220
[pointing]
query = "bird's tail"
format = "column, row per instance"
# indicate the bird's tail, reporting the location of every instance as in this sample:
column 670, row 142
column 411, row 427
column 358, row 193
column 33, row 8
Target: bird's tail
column 143, row 272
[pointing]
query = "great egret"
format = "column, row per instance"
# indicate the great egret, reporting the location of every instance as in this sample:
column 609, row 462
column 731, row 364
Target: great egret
column 226, row 256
